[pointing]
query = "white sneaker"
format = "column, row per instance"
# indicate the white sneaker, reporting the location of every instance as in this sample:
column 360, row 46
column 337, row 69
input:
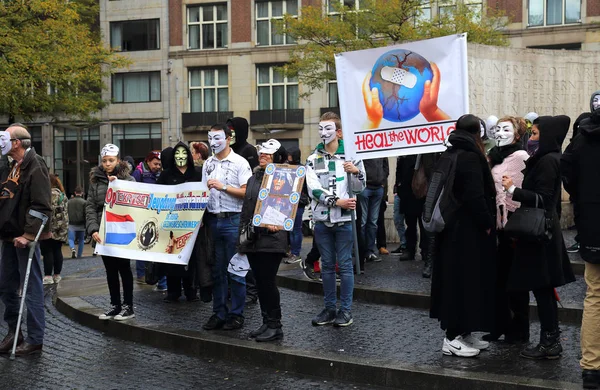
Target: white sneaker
column 57, row 278
column 475, row 342
column 458, row 347
column 48, row 280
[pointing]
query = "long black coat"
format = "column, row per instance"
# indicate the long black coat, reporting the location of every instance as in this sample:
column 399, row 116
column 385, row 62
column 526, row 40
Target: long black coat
column 544, row 264
column 463, row 280
column 581, row 177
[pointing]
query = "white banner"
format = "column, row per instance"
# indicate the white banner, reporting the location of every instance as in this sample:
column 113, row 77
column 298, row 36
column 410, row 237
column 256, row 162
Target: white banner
column 402, row 100
column 152, row 222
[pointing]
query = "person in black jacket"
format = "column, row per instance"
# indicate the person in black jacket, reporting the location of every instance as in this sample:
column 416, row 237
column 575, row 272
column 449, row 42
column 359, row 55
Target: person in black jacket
column 542, row 266
column 581, row 178
column 410, row 207
column 239, row 144
column 267, row 248
column 293, row 158
column 181, row 170
column 463, row 279
column 377, row 170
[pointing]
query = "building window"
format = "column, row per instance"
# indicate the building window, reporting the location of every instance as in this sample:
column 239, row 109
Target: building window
column 136, row 87
column 425, row 14
column 553, row 12
column 137, row 139
column 135, row 35
column 209, row 90
column 333, row 94
column 275, row 91
column 65, row 155
column 351, row 4
column 207, row 26
column 266, row 13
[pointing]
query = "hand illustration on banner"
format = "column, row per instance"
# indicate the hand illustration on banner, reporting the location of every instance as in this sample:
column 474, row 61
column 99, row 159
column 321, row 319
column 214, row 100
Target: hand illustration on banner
column 428, row 104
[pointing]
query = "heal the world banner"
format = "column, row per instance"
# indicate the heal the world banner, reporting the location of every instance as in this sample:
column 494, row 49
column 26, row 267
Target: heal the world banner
column 151, row 222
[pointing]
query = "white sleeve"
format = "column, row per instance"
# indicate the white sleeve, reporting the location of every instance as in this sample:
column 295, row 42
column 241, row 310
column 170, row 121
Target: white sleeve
column 244, row 173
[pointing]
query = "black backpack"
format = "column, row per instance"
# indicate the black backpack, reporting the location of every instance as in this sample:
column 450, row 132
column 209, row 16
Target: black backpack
column 440, row 203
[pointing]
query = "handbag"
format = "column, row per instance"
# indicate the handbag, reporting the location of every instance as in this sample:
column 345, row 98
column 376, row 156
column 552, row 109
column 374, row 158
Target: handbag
column 530, row 224
column 247, row 235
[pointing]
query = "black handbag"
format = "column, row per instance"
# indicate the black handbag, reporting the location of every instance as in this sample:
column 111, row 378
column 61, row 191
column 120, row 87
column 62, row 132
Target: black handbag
column 247, row 235
column 151, row 273
column 530, row 224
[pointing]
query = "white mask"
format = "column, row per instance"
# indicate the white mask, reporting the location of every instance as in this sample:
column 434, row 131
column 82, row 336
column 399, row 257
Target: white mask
column 217, row 141
column 181, row 156
column 327, row 132
column 5, row 144
column 505, row 133
column 596, row 102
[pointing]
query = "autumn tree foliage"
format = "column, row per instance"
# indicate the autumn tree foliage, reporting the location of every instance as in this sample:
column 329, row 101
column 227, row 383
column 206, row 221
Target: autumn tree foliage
column 52, row 60
column 323, row 33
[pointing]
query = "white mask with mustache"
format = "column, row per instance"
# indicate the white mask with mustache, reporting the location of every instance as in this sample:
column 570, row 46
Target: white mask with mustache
column 5, row 144
column 217, row 141
column 327, row 132
column 505, row 133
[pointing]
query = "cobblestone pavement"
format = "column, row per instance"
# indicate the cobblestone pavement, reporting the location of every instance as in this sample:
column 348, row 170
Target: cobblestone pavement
column 76, row 357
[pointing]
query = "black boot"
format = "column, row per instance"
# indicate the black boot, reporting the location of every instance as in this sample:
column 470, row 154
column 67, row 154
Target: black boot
column 262, row 328
column 206, row 294
column 591, row 379
column 548, row 348
column 273, row 331
column 427, row 264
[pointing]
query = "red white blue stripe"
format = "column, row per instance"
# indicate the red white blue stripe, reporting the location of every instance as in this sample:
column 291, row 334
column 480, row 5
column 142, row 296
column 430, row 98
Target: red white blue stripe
column 120, row 229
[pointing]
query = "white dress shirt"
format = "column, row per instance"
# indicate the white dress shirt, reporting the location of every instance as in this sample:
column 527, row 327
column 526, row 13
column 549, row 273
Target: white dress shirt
column 232, row 171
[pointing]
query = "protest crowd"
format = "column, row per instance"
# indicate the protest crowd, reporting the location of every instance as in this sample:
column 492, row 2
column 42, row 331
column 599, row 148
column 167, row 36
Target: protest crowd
column 483, row 263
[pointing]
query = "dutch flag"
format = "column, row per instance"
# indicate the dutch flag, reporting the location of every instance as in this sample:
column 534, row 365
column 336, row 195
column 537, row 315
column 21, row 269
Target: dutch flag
column 120, row 229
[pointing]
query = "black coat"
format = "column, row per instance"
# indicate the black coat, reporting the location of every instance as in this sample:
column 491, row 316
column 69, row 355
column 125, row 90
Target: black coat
column 265, row 240
column 463, row 280
column 544, row 264
column 405, row 169
column 581, row 177
column 378, row 170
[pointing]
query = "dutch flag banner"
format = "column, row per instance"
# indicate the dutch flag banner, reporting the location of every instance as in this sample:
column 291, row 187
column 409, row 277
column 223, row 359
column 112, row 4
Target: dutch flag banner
column 120, row 229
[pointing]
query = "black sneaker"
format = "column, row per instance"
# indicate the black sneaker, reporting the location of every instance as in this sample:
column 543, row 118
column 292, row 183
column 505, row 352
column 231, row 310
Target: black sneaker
column 573, row 248
column 591, row 379
column 374, row 258
column 125, row 314
column 110, row 313
column 233, row 322
column 308, row 270
column 406, row 256
column 214, row 322
column 398, row 251
column 325, row 317
column 73, row 256
column 343, row 318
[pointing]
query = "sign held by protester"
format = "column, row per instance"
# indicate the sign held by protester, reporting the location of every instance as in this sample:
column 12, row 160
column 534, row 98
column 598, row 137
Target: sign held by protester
column 402, row 100
column 152, row 222
column 279, row 196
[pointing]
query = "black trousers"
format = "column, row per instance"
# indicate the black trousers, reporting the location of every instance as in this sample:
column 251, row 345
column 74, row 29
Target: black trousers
column 177, row 276
column 116, row 266
column 381, row 236
column 411, row 234
column 251, row 289
column 53, row 259
column 265, row 267
column 547, row 309
column 313, row 256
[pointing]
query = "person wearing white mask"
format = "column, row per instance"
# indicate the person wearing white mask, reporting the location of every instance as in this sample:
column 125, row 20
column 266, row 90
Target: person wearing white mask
column 225, row 174
column 508, row 158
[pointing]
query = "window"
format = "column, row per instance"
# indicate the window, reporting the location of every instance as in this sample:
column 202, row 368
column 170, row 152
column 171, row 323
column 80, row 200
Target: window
column 266, row 12
column 275, row 91
column 135, row 35
column 137, row 139
column 136, row 87
column 425, row 15
column 209, row 90
column 65, row 155
column 352, row 4
column 333, row 94
column 553, row 12
column 207, row 27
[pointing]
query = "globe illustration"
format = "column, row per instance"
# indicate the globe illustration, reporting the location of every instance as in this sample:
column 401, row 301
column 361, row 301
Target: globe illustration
column 400, row 75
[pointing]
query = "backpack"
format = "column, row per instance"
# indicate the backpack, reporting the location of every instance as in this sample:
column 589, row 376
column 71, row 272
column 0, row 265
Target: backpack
column 440, row 203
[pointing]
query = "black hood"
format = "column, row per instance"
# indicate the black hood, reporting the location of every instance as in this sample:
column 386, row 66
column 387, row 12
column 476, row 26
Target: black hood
column 190, row 162
column 592, row 99
column 553, row 130
column 166, row 156
column 462, row 139
column 578, row 121
column 240, row 126
column 590, row 127
column 296, row 155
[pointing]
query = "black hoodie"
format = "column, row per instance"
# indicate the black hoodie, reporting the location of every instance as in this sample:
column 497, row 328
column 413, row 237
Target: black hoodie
column 241, row 145
column 172, row 175
column 296, row 155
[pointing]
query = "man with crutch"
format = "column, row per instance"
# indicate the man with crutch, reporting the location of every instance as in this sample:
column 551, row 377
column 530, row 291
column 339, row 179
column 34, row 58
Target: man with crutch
column 24, row 187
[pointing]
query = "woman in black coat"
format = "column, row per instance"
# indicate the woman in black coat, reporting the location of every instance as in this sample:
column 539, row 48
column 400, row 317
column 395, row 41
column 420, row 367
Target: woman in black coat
column 462, row 286
column 267, row 247
column 540, row 267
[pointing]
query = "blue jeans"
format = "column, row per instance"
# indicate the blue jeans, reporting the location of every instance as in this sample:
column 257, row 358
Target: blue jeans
column 140, row 268
column 296, row 234
column 80, row 236
column 13, row 265
column 162, row 282
column 335, row 243
column 225, row 238
column 399, row 221
column 370, row 201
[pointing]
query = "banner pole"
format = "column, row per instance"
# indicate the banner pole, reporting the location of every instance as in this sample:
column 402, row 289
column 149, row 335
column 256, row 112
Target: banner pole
column 354, row 231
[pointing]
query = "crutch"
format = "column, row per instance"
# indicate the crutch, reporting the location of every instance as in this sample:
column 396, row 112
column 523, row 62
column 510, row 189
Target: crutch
column 32, row 245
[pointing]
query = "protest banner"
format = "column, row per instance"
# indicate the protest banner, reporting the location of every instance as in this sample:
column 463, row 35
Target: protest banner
column 404, row 99
column 151, row 222
column 279, row 196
